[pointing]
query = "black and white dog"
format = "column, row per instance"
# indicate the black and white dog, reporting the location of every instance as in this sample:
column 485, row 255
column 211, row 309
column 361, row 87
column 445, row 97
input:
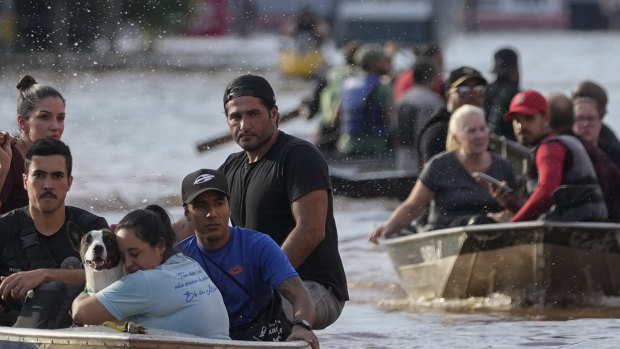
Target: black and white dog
column 100, row 256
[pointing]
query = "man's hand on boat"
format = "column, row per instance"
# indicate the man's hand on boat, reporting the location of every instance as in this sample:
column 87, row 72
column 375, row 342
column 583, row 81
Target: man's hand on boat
column 300, row 333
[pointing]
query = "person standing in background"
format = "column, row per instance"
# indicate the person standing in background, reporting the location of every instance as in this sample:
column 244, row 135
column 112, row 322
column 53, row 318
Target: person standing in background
column 406, row 80
column 465, row 86
column 413, row 111
column 366, row 106
column 499, row 93
column 326, row 132
column 607, row 140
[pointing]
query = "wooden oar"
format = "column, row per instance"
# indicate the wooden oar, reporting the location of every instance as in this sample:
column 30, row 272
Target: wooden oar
column 212, row 143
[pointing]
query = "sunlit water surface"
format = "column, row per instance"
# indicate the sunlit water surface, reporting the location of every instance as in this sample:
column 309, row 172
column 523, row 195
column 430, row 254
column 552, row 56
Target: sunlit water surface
column 133, row 134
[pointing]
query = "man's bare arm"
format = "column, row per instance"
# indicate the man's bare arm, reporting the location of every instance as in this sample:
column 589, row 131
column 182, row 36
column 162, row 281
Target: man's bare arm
column 310, row 213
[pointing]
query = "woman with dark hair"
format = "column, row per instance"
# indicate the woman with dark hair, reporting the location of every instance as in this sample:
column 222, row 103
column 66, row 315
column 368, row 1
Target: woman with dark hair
column 163, row 289
column 40, row 113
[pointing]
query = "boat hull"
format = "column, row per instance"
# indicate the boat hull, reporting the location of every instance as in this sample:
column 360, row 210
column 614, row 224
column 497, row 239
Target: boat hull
column 370, row 177
column 531, row 262
column 105, row 337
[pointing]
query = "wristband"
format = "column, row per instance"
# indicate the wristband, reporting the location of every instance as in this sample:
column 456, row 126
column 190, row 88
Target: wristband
column 303, row 323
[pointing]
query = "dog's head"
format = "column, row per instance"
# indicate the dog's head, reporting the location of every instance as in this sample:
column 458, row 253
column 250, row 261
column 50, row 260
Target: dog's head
column 98, row 248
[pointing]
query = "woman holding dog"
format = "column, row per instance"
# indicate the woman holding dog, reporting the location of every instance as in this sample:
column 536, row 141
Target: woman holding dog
column 162, row 289
column 40, row 113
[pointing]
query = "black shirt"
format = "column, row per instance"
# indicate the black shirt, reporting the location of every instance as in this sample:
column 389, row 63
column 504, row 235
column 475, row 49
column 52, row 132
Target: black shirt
column 261, row 194
column 56, row 248
column 609, row 143
column 433, row 137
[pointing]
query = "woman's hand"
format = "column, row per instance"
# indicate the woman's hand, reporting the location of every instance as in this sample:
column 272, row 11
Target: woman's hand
column 6, row 153
column 377, row 232
column 501, row 193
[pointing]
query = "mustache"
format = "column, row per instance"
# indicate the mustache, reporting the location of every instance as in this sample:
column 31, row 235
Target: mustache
column 48, row 193
column 240, row 135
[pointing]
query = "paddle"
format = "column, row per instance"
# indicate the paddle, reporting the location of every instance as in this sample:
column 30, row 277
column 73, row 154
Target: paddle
column 211, row 143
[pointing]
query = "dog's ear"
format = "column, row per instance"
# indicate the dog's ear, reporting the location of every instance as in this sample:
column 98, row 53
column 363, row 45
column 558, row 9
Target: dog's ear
column 75, row 235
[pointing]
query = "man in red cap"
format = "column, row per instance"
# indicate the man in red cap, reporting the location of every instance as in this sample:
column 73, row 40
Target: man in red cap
column 561, row 180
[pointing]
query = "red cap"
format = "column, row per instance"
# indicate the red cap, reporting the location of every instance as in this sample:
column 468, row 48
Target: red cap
column 526, row 102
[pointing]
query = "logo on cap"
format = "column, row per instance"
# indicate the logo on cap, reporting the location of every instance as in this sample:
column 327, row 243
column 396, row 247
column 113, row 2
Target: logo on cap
column 204, row 178
column 519, row 99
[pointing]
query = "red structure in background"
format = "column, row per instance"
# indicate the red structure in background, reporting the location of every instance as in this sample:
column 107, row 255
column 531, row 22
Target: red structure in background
column 211, row 19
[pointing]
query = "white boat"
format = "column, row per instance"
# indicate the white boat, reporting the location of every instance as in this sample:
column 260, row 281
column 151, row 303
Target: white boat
column 106, row 337
column 537, row 262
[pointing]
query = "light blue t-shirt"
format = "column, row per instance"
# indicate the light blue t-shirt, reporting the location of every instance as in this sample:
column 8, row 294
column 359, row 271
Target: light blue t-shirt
column 176, row 296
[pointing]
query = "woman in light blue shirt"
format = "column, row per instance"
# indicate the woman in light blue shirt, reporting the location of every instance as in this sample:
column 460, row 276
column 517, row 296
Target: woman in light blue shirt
column 162, row 289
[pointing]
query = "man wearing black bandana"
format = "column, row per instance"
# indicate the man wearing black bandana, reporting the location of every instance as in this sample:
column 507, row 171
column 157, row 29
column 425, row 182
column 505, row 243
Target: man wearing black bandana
column 280, row 185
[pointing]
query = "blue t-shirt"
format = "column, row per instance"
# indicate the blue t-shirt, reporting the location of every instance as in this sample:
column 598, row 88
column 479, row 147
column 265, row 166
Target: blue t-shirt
column 176, row 296
column 254, row 260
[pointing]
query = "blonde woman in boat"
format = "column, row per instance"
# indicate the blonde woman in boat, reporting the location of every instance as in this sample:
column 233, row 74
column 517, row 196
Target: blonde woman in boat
column 456, row 198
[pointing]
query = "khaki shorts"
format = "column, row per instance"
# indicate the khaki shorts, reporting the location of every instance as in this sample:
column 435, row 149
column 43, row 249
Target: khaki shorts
column 328, row 307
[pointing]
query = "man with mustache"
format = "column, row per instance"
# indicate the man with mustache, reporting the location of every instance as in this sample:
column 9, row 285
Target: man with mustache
column 35, row 252
column 561, row 179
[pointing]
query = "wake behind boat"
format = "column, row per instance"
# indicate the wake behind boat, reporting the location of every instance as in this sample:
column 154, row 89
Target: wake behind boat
column 538, row 262
column 106, row 337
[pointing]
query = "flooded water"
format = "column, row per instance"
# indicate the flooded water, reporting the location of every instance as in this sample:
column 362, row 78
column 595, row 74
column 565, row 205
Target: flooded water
column 133, row 134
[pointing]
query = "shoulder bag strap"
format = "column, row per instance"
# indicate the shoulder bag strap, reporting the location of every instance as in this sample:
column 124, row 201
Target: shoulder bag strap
column 38, row 255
